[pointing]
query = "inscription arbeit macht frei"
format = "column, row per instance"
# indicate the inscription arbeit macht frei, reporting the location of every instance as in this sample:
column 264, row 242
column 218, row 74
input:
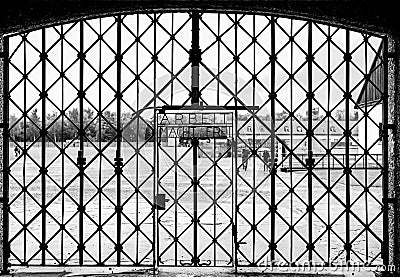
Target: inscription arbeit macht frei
column 198, row 125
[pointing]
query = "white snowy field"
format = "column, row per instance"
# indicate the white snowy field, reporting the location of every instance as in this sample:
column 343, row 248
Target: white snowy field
column 175, row 228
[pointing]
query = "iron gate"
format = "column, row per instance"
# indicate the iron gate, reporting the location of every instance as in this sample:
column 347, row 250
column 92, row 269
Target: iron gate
column 196, row 175
column 309, row 173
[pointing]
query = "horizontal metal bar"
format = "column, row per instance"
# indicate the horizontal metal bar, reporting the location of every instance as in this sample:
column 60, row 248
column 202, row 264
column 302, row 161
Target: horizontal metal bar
column 389, row 126
column 389, row 200
column 206, row 108
column 391, row 55
column 194, row 125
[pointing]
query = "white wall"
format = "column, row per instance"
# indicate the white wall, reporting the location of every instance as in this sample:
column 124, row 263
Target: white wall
column 368, row 128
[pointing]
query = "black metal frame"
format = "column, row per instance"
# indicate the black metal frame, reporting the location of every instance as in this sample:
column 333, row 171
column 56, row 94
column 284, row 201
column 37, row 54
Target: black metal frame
column 245, row 229
column 5, row 196
column 193, row 183
column 310, row 163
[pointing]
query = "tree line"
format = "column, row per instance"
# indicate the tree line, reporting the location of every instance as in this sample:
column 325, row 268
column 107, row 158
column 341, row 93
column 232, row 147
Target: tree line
column 104, row 128
column 66, row 128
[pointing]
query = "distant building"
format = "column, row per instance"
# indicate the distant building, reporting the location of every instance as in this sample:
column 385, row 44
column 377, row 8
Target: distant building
column 293, row 132
column 370, row 100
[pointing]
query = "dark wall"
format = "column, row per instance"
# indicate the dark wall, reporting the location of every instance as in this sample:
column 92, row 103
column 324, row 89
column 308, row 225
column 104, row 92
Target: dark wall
column 376, row 16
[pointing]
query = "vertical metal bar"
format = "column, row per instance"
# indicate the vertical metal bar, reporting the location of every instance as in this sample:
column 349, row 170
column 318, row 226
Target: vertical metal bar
column 195, row 94
column 235, row 160
column 218, row 56
column 385, row 156
column 236, row 144
column 347, row 145
column 99, row 142
column 365, row 160
column 195, row 54
column 215, row 197
column 25, row 147
column 62, row 143
column 118, row 158
column 329, row 146
column 137, row 141
column 310, row 97
column 176, row 142
column 254, row 147
column 176, row 202
column 273, row 154
column 291, row 142
column 6, row 169
column 43, row 134
column 156, row 246
column 172, row 59
column 195, row 144
column 237, row 134
column 81, row 145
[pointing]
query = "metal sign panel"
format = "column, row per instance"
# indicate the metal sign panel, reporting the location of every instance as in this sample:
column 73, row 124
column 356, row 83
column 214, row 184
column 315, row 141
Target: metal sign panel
column 195, row 125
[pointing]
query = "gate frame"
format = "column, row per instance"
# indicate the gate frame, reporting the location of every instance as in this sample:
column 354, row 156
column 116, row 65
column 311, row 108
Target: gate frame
column 391, row 193
column 233, row 188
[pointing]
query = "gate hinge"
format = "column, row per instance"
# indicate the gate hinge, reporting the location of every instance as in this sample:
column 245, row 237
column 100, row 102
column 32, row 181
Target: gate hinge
column 385, row 127
column 384, row 249
column 390, row 126
column 3, row 55
column 4, row 200
column 388, row 200
column 391, row 55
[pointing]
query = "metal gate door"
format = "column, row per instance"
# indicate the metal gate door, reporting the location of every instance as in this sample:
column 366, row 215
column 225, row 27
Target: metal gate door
column 194, row 198
column 81, row 168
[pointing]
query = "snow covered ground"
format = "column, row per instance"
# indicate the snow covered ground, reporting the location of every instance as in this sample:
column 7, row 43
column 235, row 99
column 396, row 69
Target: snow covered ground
column 175, row 228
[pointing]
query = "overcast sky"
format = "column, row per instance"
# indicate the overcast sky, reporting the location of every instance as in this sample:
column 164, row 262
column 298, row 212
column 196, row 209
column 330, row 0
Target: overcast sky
column 173, row 56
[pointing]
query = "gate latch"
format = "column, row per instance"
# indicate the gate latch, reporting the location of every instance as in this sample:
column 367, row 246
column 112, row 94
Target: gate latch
column 159, row 201
column 383, row 127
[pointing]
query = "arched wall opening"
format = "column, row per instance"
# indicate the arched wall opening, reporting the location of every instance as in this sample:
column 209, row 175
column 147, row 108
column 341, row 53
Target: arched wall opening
column 255, row 73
